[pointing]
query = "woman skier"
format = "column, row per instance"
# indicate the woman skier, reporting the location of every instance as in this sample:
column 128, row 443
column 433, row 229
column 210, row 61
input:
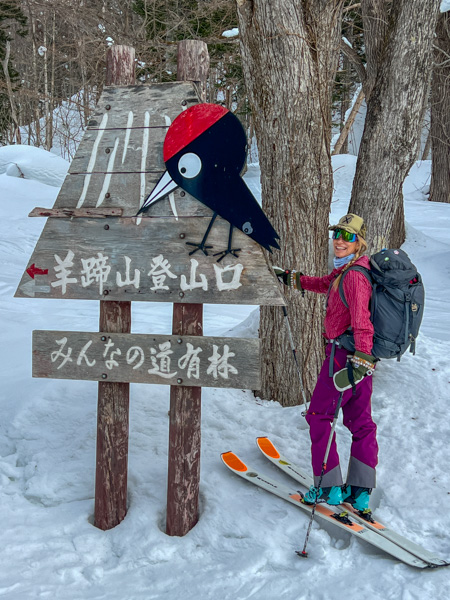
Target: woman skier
column 343, row 372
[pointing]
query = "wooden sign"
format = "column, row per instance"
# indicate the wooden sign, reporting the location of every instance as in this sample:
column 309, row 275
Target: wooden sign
column 94, row 247
column 146, row 259
column 140, row 358
column 101, row 251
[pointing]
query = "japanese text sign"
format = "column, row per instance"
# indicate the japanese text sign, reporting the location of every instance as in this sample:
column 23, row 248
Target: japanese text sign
column 141, row 358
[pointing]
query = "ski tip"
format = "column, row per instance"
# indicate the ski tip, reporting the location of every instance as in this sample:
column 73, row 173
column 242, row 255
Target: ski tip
column 436, row 565
column 266, row 446
column 233, row 462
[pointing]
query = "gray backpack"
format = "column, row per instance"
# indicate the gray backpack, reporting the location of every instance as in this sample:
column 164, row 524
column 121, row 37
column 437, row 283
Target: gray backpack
column 396, row 305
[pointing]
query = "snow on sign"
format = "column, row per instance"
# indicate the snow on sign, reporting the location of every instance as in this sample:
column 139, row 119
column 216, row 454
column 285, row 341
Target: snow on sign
column 102, row 250
column 140, row 358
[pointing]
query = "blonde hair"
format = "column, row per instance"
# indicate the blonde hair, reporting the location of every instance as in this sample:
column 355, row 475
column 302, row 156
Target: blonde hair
column 362, row 248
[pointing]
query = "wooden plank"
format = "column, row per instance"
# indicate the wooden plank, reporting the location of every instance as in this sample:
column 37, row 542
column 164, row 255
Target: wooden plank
column 121, row 150
column 146, row 259
column 120, row 155
column 176, row 360
column 161, row 100
column 59, row 213
column 123, row 190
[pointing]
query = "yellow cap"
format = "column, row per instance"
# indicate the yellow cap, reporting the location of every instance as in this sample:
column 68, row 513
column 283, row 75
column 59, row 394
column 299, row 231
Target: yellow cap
column 352, row 224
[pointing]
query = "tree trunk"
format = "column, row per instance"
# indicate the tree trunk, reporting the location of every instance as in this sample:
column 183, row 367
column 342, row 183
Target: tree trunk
column 343, row 137
column 440, row 113
column 290, row 51
column 427, row 148
column 48, row 116
column 34, row 84
column 14, row 116
column 395, row 110
column 345, row 103
column 375, row 21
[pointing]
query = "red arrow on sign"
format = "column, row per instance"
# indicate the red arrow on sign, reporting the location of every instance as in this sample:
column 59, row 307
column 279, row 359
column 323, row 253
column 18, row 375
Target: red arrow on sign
column 33, row 270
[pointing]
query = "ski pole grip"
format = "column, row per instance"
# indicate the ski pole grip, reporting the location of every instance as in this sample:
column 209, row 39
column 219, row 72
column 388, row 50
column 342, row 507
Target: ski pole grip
column 284, row 310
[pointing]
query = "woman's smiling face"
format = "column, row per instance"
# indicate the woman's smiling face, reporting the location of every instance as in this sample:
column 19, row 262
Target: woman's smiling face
column 343, row 248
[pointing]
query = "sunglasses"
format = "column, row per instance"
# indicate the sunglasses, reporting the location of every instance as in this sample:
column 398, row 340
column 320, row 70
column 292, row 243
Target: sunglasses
column 345, row 235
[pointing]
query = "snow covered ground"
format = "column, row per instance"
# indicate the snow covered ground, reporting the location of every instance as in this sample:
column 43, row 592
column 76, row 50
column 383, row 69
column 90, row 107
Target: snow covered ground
column 243, row 546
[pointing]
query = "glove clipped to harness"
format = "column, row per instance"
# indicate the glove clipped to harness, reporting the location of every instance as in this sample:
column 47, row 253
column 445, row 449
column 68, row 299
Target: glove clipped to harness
column 358, row 366
column 290, row 278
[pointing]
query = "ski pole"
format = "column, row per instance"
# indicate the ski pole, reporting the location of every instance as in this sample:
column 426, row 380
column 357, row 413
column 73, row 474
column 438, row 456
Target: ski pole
column 303, row 552
column 294, row 352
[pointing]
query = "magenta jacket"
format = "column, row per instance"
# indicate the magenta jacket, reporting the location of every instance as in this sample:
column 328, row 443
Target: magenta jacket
column 338, row 318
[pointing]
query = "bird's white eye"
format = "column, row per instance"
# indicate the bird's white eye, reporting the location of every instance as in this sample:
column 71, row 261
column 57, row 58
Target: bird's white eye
column 189, row 165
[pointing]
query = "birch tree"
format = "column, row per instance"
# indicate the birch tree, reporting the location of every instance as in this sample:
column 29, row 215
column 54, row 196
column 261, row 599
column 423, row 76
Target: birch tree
column 290, row 51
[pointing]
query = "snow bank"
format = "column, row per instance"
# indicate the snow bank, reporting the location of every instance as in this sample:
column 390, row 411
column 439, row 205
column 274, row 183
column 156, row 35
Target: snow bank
column 29, row 162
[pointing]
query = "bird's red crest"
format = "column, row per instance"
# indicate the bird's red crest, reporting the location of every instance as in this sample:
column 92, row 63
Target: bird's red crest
column 189, row 125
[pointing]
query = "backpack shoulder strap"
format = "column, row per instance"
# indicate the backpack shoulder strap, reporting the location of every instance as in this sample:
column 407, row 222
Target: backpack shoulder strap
column 358, row 268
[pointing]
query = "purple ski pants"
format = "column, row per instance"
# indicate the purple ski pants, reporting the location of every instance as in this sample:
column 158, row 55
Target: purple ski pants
column 356, row 408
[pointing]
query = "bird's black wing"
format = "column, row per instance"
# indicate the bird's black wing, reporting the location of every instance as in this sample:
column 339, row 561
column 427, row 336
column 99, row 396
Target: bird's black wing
column 238, row 206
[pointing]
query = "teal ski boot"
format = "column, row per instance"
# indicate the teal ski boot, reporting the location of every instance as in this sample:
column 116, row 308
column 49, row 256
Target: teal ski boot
column 358, row 497
column 330, row 495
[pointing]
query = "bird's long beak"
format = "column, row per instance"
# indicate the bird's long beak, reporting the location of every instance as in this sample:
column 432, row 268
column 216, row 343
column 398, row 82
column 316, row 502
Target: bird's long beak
column 164, row 186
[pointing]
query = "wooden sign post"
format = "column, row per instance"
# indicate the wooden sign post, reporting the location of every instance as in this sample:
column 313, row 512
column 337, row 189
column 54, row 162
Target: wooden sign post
column 183, row 477
column 113, row 398
column 94, row 247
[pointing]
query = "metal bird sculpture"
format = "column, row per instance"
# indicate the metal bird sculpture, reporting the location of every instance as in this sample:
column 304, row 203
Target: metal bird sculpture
column 204, row 151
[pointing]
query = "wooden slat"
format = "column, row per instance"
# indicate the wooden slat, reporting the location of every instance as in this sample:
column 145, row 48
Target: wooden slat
column 127, row 155
column 123, row 190
column 191, row 279
column 141, row 358
column 58, row 213
column 159, row 99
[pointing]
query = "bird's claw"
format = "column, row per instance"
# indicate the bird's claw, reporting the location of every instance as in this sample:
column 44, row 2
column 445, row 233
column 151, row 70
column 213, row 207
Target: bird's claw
column 233, row 251
column 200, row 246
